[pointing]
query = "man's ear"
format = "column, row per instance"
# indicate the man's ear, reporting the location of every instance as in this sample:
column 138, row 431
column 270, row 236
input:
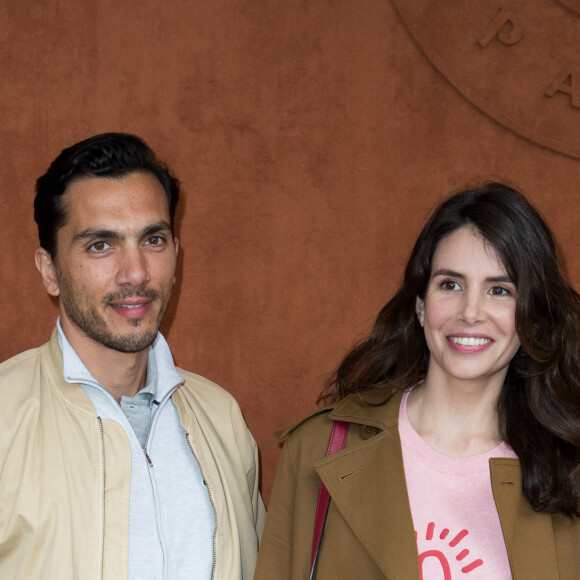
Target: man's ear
column 420, row 310
column 46, row 267
column 176, row 243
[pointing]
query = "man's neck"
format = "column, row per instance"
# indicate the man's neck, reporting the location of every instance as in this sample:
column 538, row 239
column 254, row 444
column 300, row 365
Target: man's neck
column 122, row 374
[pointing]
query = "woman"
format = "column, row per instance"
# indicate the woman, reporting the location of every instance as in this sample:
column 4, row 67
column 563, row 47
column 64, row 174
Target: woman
column 463, row 414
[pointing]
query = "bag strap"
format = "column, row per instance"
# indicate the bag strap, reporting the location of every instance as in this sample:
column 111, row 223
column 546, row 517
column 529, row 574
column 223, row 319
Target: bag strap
column 337, row 442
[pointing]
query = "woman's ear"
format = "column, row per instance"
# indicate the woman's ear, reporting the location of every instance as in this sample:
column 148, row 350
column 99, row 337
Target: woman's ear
column 420, row 310
column 46, row 267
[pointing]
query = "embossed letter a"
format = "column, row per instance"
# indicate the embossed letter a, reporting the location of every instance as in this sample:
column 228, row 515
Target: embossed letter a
column 564, row 83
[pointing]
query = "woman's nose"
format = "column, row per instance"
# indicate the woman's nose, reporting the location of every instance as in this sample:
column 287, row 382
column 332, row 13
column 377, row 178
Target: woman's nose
column 472, row 310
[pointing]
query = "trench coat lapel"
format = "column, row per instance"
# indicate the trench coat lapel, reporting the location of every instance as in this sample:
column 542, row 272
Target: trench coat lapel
column 522, row 527
column 367, row 484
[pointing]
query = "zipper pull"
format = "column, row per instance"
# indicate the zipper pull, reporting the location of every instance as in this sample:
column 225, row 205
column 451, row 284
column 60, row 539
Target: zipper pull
column 148, row 458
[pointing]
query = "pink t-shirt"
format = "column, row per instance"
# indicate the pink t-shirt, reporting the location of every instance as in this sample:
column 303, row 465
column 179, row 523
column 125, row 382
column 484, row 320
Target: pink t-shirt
column 456, row 523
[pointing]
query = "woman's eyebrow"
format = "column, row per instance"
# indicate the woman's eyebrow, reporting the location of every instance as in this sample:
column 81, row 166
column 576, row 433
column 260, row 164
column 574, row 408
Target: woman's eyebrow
column 444, row 272
column 453, row 274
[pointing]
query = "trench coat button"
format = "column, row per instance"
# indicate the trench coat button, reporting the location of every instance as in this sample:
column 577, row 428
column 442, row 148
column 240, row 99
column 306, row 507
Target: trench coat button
column 366, row 432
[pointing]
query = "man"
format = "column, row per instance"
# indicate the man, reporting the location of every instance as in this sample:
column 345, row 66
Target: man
column 115, row 464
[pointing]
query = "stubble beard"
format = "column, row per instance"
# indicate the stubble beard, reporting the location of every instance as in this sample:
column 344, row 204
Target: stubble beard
column 87, row 319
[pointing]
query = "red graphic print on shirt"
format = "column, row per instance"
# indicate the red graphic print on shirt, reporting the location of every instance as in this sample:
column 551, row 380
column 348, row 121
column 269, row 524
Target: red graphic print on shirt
column 446, row 558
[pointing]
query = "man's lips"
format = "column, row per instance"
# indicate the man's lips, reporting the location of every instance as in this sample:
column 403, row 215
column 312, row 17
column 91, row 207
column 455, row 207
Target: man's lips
column 131, row 308
column 131, row 303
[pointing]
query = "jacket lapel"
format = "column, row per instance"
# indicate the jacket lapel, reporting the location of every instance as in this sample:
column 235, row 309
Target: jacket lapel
column 522, row 527
column 367, row 484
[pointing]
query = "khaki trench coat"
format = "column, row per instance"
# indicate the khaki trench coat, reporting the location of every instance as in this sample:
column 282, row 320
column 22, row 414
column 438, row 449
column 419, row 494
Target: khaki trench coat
column 369, row 530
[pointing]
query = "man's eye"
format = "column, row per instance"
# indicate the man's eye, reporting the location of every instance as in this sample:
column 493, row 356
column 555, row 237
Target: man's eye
column 99, row 246
column 155, row 241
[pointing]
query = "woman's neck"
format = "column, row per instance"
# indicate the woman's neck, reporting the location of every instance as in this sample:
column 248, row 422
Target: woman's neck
column 457, row 418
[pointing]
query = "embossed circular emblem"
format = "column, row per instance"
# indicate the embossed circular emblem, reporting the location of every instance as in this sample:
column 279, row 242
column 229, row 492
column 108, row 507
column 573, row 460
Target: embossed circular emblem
column 518, row 61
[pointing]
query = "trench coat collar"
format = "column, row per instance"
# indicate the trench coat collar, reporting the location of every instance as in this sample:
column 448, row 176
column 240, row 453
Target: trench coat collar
column 355, row 408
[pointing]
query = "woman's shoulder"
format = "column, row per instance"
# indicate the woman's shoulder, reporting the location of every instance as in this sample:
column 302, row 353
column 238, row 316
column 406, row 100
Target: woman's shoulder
column 375, row 411
column 306, row 442
column 311, row 421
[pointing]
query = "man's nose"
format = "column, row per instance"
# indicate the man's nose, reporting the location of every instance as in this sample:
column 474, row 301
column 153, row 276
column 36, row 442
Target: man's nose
column 133, row 268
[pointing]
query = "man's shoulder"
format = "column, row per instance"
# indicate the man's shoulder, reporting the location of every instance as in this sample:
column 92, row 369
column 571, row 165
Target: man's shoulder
column 19, row 382
column 202, row 388
column 23, row 362
column 209, row 403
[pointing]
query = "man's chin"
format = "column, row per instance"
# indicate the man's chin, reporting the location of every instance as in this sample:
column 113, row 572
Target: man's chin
column 128, row 343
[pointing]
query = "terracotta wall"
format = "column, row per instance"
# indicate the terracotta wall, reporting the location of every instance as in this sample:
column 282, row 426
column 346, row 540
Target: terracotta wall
column 312, row 139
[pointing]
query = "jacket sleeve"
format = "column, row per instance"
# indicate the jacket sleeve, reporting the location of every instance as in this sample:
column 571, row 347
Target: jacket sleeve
column 257, row 502
column 276, row 547
column 248, row 450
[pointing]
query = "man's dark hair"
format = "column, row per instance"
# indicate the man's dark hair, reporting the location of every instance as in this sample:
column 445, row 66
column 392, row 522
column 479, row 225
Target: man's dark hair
column 108, row 155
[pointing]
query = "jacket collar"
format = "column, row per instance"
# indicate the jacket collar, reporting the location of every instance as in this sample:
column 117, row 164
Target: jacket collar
column 371, row 409
column 73, row 395
column 356, row 409
column 162, row 375
column 169, row 378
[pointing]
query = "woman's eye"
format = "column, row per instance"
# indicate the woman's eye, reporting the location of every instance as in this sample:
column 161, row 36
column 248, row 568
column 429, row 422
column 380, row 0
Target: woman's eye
column 449, row 285
column 499, row 291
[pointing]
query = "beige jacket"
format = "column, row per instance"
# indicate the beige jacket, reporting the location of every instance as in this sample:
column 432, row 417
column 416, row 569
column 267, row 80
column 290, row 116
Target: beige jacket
column 369, row 530
column 65, row 474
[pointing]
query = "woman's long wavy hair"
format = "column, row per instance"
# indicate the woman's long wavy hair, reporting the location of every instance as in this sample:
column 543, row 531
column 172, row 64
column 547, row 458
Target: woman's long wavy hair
column 538, row 408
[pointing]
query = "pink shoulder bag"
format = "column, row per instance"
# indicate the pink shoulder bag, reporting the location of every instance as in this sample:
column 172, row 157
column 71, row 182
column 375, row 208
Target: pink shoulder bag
column 337, row 442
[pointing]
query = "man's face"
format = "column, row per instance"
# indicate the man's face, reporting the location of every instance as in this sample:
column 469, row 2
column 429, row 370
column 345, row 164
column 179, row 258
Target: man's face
column 115, row 264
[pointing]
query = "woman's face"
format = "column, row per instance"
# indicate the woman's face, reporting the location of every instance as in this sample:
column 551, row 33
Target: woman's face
column 468, row 313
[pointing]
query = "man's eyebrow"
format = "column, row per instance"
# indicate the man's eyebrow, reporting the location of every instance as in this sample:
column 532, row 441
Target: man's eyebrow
column 105, row 234
column 453, row 274
column 102, row 233
column 161, row 226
